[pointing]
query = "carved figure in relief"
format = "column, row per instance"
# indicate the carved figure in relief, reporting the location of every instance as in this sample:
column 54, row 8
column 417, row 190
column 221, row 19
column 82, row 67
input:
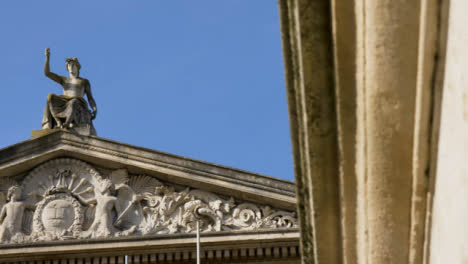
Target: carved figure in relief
column 72, row 200
column 11, row 215
column 107, row 206
column 70, row 109
column 139, row 188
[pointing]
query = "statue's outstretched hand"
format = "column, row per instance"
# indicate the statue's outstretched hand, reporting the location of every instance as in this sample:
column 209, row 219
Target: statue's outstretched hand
column 47, row 52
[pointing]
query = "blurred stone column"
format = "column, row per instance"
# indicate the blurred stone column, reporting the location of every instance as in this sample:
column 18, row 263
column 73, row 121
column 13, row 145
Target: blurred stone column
column 308, row 55
column 364, row 87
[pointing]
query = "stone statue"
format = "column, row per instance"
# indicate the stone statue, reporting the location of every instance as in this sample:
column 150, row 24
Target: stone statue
column 11, row 215
column 106, row 205
column 70, row 110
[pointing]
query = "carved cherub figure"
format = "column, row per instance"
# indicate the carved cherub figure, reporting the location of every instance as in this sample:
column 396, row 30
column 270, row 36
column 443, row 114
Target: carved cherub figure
column 11, row 215
column 107, row 207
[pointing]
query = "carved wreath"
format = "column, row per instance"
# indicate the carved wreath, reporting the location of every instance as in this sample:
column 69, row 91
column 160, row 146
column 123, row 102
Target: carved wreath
column 76, row 226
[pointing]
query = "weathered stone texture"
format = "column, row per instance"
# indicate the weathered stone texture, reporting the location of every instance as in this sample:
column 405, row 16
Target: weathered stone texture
column 61, row 190
column 386, row 65
column 307, row 42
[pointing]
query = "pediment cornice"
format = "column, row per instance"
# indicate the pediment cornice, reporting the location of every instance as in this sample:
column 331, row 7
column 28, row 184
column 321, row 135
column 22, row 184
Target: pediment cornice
column 22, row 157
column 67, row 187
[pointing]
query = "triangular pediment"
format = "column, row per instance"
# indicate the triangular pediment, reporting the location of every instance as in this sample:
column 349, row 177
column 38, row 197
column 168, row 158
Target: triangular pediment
column 77, row 187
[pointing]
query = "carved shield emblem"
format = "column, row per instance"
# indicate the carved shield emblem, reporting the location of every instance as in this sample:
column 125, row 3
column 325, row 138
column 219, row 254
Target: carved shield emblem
column 58, row 215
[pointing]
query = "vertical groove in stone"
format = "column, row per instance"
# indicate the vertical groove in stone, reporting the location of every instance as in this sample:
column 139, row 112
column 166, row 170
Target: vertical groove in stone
column 345, row 32
column 307, row 37
column 437, row 85
column 391, row 44
column 288, row 31
column 424, row 127
column 361, row 144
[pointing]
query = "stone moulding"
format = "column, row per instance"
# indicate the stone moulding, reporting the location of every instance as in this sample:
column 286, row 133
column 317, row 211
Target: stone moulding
column 24, row 156
column 267, row 246
column 68, row 199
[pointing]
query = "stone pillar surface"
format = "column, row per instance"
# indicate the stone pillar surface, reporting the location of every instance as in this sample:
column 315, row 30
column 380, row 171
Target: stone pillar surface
column 308, row 54
column 388, row 96
column 384, row 113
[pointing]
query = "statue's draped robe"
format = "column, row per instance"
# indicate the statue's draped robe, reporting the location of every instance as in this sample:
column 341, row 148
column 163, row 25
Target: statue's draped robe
column 63, row 108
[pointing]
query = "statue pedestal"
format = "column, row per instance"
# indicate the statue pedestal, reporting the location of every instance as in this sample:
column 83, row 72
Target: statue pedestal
column 42, row 132
column 84, row 131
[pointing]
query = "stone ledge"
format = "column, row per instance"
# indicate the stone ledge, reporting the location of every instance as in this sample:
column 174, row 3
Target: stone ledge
column 42, row 132
column 247, row 186
column 222, row 246
column 83, row 131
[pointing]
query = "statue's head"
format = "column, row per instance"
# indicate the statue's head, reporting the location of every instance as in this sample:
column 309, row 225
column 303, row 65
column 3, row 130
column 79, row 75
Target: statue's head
column 73, row 66
column 14, row 193
column 107, row 187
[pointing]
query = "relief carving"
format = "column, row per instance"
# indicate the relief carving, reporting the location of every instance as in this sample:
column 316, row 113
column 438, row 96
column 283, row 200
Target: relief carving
column 68, row 199
column 12, row 213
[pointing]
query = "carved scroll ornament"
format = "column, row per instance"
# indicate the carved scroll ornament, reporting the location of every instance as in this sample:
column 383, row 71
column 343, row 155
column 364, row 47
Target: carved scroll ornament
column 68, row 199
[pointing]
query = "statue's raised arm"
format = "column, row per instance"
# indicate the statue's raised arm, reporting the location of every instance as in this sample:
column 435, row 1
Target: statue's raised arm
column 69, row 111
column 48, row 73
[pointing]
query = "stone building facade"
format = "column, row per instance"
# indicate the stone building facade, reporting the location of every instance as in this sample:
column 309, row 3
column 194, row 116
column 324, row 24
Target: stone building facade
column 67, row 198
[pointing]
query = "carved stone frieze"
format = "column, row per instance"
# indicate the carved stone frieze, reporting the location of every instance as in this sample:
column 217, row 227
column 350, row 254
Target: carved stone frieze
column 69, row 199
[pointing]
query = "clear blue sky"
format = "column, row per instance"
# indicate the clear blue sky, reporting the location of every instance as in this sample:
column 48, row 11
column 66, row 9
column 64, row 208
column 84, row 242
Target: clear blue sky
column 202, row 79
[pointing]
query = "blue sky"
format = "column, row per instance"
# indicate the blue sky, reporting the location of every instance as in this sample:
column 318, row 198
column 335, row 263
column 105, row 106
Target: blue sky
column 202, row 79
